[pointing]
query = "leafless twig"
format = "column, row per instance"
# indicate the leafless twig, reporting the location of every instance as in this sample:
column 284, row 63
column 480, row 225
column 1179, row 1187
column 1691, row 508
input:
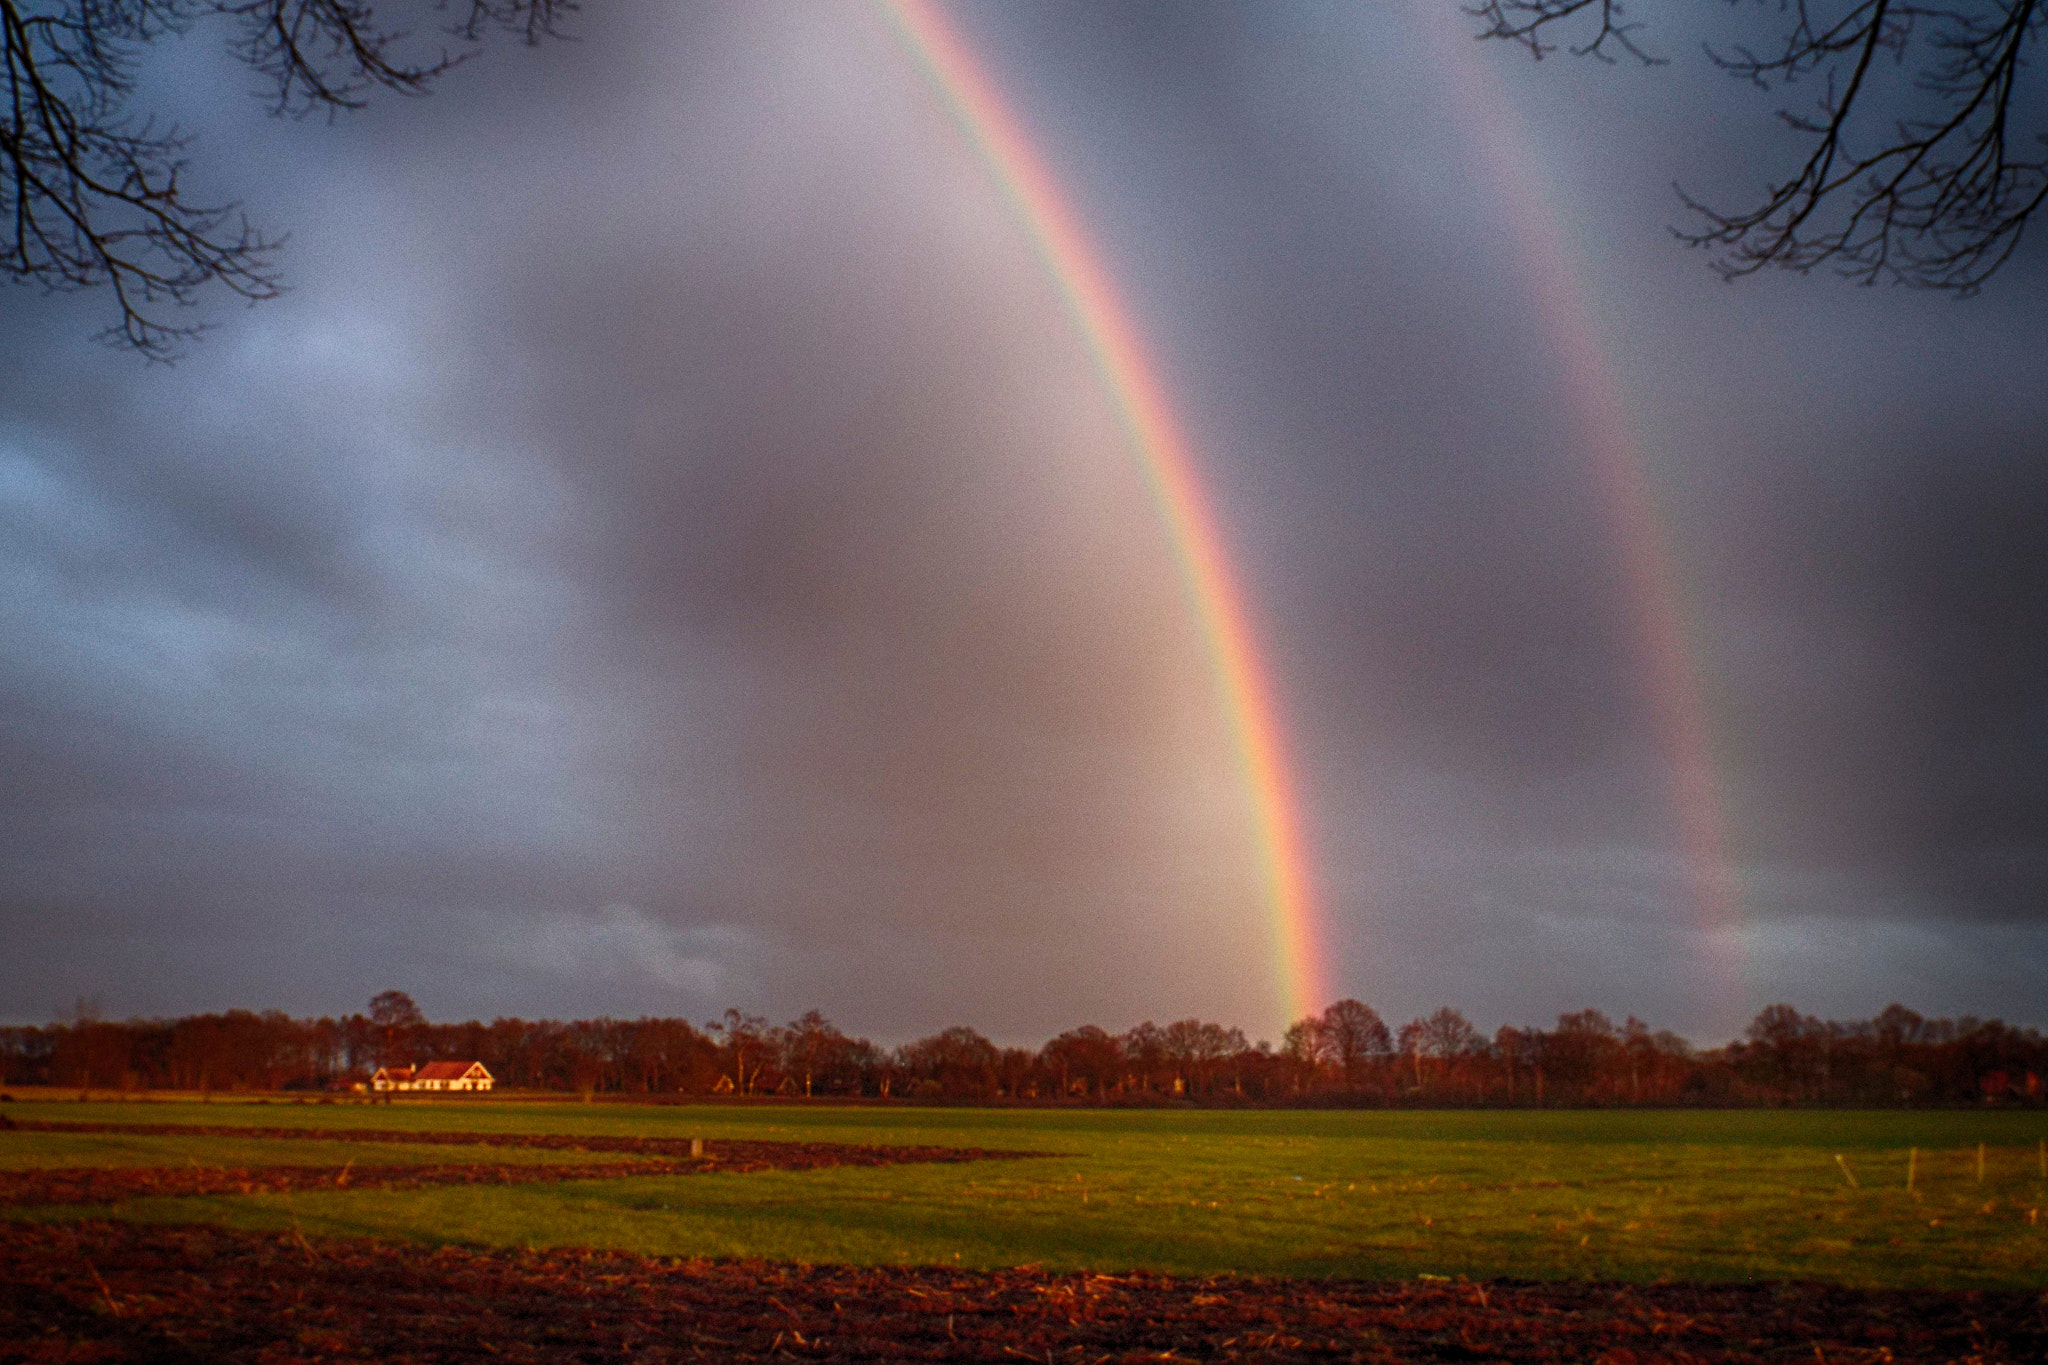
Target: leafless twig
column 1915, row 170
column 92, row 192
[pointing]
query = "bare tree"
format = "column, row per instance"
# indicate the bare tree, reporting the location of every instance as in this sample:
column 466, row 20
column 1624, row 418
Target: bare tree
column 747, row 1042
column 1087, row 1057
column 92, row 190
column 1202, row 1049
column 811, row 1046
column 956, row 1063
column 1305, row 1049
column 1443, row 1037
column 1924, row 158
column 1354, row 1034
column 398, row 1022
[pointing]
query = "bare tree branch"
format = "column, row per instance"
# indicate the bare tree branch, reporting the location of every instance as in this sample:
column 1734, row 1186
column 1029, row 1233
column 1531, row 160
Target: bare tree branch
column 90, row 191
column 1527, row 22
column 1914, row 171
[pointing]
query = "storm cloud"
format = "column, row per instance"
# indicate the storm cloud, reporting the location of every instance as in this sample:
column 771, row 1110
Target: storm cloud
column 672, row 550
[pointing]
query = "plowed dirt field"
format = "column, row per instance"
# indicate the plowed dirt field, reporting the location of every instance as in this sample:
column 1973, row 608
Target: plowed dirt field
column 112, row 1292
column 663, row 1156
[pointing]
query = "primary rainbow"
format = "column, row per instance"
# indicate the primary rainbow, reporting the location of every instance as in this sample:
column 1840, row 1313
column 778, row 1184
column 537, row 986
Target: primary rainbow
column 1105, row 326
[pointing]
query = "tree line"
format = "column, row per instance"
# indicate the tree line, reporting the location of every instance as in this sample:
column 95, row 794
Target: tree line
column 1347, row 1055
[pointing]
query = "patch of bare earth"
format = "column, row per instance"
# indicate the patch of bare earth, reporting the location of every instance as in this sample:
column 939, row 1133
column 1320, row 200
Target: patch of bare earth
column 655, row 1156
column 113, row 1292
column 723, row 1153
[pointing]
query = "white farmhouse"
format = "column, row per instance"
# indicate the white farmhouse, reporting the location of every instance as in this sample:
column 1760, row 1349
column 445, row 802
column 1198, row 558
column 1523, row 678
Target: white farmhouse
column 433, row 1076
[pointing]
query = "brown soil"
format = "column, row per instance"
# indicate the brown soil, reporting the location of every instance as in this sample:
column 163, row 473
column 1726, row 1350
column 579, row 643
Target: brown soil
column 109, row 1292
column 94, row 1185
column 661, row 1156
column 724, row 1153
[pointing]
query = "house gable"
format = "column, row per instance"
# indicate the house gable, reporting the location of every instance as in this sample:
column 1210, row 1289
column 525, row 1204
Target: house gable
column 434, row 1076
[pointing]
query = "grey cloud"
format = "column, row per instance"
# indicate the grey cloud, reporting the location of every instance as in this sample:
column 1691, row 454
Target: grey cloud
column 671, row 551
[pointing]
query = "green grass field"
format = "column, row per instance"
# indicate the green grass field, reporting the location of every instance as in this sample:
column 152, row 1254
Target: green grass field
column 1609, row 1195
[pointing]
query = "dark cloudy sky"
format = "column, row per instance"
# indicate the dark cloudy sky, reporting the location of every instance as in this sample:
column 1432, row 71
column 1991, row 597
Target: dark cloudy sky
column 670, row 550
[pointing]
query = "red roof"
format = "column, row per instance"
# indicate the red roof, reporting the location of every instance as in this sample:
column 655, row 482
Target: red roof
column 447, row 1071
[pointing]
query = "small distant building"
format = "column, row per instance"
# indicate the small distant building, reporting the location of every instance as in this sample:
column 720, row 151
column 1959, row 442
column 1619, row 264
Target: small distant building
column 452, row 1076
column 392, row 1078
column 433, row 1076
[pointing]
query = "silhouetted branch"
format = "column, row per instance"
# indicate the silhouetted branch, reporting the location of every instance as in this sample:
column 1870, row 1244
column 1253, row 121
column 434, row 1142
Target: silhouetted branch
column 1918, row 176
column 91, row 192
column 1527, row 21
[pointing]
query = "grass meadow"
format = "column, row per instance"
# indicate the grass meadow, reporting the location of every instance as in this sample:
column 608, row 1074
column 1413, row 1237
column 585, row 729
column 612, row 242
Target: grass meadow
column 1612, row 1195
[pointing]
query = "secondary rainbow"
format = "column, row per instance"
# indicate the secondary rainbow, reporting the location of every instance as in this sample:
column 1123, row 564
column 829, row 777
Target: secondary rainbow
column 1508, row 156
column 1111, row 337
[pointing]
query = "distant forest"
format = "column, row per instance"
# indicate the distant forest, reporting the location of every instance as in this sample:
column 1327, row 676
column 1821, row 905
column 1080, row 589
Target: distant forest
column 1345, row 1056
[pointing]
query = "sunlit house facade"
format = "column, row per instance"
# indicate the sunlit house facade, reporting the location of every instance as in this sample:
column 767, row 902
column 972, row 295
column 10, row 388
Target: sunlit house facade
column 437, row 1076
